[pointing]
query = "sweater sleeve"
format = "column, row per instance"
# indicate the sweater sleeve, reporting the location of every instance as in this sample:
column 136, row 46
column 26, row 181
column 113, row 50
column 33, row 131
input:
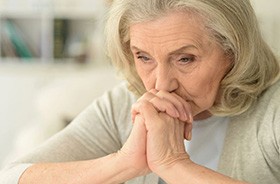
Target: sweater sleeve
column 98, row 131
column 12, row 173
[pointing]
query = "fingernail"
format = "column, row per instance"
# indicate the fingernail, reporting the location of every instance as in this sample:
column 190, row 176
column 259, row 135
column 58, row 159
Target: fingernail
column 185, row 116
column 190, row 118
column 189, row 136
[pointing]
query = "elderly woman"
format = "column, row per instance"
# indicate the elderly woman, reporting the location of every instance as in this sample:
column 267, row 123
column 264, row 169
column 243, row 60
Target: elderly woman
column 203, row 103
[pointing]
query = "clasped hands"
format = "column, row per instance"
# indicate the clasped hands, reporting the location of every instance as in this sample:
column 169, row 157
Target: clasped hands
column 161, row 122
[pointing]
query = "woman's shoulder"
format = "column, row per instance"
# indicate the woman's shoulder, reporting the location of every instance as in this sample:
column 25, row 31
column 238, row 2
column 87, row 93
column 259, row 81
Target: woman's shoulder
column 271, row 97
column 115, row 103
column 268, row 104
column 273, row 90
column 255, row 132
column 265, row 116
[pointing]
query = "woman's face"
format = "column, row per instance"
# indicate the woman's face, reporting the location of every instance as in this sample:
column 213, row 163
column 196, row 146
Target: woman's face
column 175, row 53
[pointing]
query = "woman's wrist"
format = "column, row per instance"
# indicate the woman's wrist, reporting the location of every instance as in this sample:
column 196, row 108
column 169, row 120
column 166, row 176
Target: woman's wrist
column 177, row 171
column 131, row 169
column 173, row 163
column 189, row 172
column 121, row 169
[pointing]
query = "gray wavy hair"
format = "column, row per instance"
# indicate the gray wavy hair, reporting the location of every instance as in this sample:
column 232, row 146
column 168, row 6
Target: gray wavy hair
column 231, row 23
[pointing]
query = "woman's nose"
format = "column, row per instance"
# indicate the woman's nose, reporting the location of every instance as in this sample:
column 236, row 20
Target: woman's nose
column 166, row 79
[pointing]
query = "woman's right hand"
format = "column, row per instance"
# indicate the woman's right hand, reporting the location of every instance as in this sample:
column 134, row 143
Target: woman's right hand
column 133, row 151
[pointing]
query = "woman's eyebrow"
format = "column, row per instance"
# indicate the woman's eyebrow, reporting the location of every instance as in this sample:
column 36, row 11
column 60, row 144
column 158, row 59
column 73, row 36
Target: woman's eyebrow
column 179, row 50
column 183, row 48
column 137, row 50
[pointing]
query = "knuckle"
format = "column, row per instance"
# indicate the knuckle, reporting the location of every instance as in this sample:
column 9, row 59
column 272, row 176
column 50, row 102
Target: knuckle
column 162, row 93
column 147, row 95
column 140, row 105
column 144, row 104
column 165, row 116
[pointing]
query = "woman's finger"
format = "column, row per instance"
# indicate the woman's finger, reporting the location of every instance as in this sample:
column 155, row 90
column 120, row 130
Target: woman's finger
column 188, row 131
column 186, row 106
column 160, row 104
column 163, row 101
column 135, row 107
column 181, row 105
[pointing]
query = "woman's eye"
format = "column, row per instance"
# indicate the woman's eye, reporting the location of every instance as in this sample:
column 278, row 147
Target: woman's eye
column 187, row 59
column 143, row 58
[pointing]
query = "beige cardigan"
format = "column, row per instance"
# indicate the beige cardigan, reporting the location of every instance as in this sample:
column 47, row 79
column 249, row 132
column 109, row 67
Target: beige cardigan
column 251, row 151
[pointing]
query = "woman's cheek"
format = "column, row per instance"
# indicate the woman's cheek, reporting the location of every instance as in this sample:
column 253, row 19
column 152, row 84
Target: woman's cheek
column 202, row 99
column 148, row 80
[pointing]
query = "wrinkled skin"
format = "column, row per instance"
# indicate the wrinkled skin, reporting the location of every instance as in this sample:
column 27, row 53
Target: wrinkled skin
column 181, row 68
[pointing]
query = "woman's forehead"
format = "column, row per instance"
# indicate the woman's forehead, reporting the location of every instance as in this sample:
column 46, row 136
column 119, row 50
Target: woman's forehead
column 176, row 28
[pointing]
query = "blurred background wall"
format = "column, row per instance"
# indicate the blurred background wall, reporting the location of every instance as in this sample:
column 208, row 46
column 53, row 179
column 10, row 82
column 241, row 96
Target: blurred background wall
column 59, row 69
column 40, row 93
column 269, row 17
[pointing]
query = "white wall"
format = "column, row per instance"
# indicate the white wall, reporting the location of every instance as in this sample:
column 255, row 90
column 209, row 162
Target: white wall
column 21, row 84
column 17, row 106
column 269, row 17
column 35, row 100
